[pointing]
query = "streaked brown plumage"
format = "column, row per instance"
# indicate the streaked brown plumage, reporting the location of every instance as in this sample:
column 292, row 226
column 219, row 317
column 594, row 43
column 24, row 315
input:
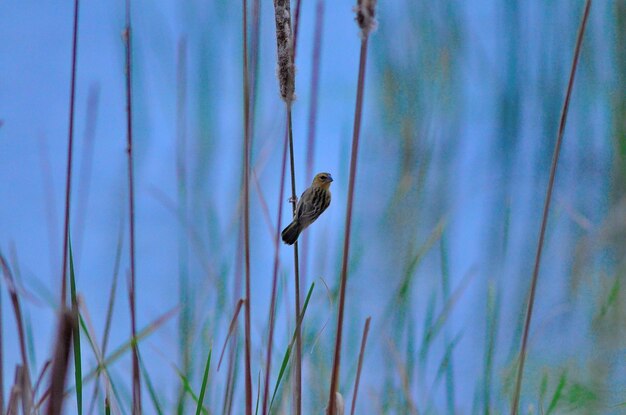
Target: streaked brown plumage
column 312, row 203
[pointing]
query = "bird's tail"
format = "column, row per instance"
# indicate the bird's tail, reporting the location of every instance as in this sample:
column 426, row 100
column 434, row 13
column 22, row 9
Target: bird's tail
column 290, row 233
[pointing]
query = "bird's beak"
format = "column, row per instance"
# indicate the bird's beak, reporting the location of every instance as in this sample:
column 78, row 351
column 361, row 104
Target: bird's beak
column 330, row 179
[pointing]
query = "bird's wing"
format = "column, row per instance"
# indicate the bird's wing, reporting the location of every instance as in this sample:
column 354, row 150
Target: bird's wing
column 312, row 203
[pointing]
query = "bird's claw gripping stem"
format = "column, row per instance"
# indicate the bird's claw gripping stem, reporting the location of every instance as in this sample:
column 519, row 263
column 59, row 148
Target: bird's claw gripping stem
column 293, row 199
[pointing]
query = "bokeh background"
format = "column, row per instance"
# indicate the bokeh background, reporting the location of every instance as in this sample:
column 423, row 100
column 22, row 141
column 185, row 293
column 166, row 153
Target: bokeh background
column 461, row 110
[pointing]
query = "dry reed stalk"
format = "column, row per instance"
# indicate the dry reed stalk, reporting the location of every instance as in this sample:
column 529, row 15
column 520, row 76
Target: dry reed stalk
column 285, row 42
column 60, row 362
column 25, row 392
column 70, row 145
column 131, row 202
column 16, row 391
column 366, row 330
column 546, row 208
column 246, row 208
column 365, row 18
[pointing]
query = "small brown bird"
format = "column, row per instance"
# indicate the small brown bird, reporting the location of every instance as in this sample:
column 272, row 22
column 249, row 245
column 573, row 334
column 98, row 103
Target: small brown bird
column 312, row 203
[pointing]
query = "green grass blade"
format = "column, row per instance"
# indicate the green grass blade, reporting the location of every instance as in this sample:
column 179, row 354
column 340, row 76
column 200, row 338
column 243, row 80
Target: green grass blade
column 78, row 376
column 558, row 393
column 150, row 386
column 205, row 380
column 285, row 362
column 189, row 390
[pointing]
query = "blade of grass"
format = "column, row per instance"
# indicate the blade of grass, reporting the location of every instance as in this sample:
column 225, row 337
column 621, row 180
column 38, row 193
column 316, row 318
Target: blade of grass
column 189, row 390
column 109, row 312
column 122, row 349
column 76, row 336
column 231, row 329
column 258, row 393
column 546, row 208
column 365, row 16
column 42, row 373
column 285, row 362
column 558, row 392
column 366, row 330
column 445, row 288
column 205, row 380
column 89, row 332
column 404, row 379
column 151, row 391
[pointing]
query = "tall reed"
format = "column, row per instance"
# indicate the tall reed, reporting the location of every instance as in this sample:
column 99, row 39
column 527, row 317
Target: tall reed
column 546, row 208
column 70, row 152
column 246, row 207
column 131, row 208
column 285, row 42
column 365, row 17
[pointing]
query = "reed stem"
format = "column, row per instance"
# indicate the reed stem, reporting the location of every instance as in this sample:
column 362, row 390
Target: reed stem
column 546, row 209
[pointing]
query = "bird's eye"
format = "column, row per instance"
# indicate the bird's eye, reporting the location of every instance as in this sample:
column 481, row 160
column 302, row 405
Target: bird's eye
column 323, row 177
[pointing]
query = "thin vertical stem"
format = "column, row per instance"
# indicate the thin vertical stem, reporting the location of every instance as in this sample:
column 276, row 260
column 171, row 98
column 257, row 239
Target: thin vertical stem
column 184, row 330
column 131, row 208
column 546, row 208
column 296, row 266
column 334, row 383
column 246, row 207
column 70, row 152
column 366, row 330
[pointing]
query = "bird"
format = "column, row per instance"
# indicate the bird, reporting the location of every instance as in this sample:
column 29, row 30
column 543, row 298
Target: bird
column 312, row 203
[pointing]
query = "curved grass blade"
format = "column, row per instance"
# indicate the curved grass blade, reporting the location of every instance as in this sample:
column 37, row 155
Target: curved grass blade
column 285, row 363
column 78, row 374
column 205, row 379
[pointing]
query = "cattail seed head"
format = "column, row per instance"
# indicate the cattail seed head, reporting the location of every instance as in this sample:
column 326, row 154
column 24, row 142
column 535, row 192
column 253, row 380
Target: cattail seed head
column 366, row 16
column 284, row 43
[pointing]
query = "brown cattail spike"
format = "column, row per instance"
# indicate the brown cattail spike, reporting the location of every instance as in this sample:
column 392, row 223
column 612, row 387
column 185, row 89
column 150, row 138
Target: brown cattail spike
column 366, row 15
column 284, row 43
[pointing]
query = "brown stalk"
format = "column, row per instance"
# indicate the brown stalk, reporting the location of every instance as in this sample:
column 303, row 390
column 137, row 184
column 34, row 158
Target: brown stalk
column 246, row 208
column 60, row 362
column 366, row 330
column 70, row 145
column 231, row 329
column 286, row 77
column 131, row 202
column 365, row 19
column 21, row 334
column 546, row 209
column 296, row 266
column 16, row 391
